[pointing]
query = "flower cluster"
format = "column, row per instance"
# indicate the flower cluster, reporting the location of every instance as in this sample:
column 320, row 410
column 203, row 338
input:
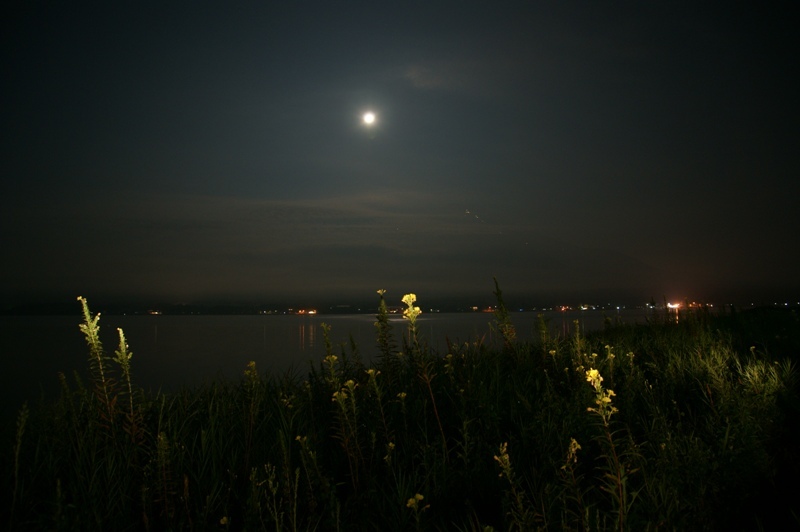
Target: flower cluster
column 602, row 396
column 572, row 453
column 250, row 371
column 414, row 501
column 389, row 450
column 594, row 378
column 504, row 461
column 411, row 312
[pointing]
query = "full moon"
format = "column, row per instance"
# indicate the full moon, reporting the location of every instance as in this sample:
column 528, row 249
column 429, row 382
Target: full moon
column 369, row 118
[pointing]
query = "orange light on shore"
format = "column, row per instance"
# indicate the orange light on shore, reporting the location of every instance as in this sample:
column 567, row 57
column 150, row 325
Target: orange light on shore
column 673, row 305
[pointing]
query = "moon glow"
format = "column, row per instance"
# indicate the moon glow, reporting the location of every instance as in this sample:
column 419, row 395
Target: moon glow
column 368, row 118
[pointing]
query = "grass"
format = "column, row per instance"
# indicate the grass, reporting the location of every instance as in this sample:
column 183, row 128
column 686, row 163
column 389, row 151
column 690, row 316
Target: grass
column 669, row 425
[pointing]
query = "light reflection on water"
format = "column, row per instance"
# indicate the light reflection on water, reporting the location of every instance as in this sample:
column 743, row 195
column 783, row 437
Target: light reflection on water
column 174, row 351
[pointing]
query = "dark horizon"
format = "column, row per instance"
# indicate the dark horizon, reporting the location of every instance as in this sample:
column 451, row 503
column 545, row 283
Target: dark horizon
column 367, row 303
column 578, row 152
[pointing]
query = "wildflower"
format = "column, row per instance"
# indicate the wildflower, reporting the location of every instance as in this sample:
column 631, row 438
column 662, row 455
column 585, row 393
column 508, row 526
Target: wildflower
column 381, row 292
column 594, row 378
column 448, row 365
column 372, row 373
column 602, row 397
column 411, row 312
column 286, row 400
column 414, row 501
column 402, row 396
column 609, row 353
column 389, row 450
column 572, row 453
column 504, row 460
column 574, row 446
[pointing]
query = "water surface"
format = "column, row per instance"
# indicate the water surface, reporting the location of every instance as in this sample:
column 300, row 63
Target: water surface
column 170, row 352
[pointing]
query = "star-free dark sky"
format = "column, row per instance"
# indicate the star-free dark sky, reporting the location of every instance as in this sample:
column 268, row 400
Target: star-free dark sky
column 198, row 151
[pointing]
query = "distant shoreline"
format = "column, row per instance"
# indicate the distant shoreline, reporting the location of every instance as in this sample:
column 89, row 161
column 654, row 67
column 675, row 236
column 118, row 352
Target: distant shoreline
column 70, row 308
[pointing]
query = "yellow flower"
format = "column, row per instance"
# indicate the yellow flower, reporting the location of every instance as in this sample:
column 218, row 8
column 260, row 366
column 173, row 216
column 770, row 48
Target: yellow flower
column 572, row 453
column 574, row 446
column 593, row 376
column 402, row 396
column 409, row 299
column 389, row 450
column 411, row 313
column 504, row 461
column 413, row 502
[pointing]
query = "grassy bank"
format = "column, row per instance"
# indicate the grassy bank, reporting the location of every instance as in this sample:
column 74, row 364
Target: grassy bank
column 677, row 424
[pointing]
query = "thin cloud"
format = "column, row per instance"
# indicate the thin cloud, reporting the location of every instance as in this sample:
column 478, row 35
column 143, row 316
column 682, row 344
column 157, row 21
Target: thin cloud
column 479, row 76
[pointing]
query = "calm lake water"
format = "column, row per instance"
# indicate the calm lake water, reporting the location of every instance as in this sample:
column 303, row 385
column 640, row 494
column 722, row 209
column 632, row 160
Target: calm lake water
column 170, row 352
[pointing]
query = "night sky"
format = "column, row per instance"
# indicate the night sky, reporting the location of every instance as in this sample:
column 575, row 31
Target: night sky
column 577, row 151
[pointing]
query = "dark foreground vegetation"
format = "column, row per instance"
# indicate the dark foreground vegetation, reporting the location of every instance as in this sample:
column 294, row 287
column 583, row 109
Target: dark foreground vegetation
column 687, row 423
